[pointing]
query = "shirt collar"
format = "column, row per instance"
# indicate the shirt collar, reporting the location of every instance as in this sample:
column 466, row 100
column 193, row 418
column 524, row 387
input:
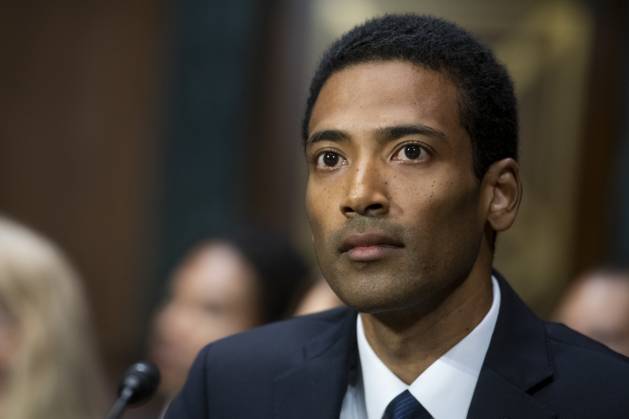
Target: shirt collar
column 445, row 388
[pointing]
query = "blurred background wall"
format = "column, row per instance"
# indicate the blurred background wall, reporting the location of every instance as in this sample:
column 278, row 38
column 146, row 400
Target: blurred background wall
column 126, row 124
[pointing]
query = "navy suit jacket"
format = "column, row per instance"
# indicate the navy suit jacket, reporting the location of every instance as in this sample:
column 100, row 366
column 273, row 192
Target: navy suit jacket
column 300, row 369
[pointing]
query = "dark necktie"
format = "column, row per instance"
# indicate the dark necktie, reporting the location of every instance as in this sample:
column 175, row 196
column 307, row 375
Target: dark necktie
column 405, row 406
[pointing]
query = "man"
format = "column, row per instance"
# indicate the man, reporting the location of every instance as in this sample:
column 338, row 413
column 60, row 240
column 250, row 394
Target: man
column 411, row 141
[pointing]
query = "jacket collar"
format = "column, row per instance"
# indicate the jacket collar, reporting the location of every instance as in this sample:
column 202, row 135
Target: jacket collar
column 517, row 363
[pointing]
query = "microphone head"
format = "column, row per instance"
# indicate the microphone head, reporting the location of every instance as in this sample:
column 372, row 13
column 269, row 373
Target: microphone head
column 139, row 382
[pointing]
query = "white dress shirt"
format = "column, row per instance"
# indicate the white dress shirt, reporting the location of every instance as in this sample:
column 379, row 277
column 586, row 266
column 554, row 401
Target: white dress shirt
column 445, row 388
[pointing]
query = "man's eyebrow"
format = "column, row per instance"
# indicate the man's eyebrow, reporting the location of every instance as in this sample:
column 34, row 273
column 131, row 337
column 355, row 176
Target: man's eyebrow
column 327, row 135
column 399, row 131
column 385, row 133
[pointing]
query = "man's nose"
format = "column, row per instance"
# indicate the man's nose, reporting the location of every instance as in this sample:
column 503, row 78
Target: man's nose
column 366, row 193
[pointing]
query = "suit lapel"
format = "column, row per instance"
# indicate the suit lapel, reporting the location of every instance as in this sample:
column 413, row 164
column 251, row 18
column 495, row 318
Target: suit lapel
column 497, row 398
column 517, row 363
column 314, row 389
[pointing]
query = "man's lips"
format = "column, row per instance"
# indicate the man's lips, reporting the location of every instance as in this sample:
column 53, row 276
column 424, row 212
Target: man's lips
column 368, row 247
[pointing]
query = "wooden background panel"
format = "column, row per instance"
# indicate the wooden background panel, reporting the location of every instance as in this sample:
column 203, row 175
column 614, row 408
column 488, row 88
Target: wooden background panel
column 79, row 84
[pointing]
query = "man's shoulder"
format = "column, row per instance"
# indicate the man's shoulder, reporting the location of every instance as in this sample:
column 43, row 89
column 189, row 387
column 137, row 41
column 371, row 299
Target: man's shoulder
column 275, row 345
column 586, row 371
column 529, row 336
column 569, row 346
column 250, row 363
column 562, row 370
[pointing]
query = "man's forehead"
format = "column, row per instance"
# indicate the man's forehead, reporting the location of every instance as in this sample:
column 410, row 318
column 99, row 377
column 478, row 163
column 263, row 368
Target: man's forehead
column 377, row 95
column 390, row 73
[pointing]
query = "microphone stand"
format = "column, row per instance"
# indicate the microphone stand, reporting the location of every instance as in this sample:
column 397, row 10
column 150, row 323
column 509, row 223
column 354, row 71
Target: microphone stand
column 120, row 404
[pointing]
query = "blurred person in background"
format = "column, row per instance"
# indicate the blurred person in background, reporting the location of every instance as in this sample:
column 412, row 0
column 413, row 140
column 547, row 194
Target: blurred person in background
column 223, row 285
column 597, row 305
column 48, row 367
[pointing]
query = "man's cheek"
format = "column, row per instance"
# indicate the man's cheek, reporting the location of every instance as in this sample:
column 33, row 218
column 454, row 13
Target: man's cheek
column 317, row 217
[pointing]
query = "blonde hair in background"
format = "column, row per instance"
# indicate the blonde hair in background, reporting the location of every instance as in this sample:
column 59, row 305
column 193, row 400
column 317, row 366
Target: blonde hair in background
column 53, row 373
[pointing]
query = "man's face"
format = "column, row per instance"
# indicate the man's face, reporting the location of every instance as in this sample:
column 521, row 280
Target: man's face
column 392, row 199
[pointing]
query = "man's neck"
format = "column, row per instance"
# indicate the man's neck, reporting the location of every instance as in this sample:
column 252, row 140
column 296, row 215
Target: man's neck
column 408, row 346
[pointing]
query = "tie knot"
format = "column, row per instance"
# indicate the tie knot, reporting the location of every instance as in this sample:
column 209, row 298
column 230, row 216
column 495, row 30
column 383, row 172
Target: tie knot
column 405, row 406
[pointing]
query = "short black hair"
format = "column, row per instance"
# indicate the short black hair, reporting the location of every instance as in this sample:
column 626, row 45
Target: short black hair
column 487, row 104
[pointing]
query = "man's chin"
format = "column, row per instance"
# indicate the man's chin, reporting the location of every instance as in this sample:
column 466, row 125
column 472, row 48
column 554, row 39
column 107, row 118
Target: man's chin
column 391, row 300
column 371, row 305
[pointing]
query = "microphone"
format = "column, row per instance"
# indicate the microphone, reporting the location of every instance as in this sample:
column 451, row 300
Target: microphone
column 138, row 384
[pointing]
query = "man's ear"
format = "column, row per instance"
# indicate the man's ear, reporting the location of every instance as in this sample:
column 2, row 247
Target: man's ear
column 502, row 193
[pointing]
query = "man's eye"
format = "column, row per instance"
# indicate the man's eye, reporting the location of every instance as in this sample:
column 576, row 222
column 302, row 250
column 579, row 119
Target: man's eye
column 411, row 152
column 329, row 159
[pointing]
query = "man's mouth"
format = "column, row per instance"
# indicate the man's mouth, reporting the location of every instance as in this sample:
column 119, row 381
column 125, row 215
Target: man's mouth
column 368, row 247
